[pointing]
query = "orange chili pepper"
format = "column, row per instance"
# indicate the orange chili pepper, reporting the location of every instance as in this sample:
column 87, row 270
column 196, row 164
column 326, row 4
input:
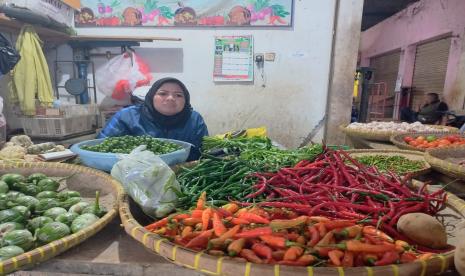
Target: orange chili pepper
column 293, row 253
column 335, row 256
column 218, row 225
column 201, row 201
column 206, row 218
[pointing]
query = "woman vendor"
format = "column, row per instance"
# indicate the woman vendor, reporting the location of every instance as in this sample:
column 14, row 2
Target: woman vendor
column 166, row 113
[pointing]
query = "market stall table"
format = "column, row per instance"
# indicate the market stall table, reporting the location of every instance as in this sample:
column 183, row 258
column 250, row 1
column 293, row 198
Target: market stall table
column 359, row 143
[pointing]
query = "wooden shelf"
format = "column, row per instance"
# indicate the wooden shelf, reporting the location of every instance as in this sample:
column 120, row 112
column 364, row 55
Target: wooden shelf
column 122, row 38
column 11, row 25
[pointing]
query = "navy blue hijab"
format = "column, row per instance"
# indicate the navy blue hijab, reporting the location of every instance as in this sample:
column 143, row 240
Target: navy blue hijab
column 163, row 121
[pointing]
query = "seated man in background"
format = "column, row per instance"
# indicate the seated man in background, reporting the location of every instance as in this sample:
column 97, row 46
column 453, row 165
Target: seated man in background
column 432, row 112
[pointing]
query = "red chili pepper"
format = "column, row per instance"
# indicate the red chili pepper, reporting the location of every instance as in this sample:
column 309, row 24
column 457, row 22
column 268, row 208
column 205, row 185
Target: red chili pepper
column 254, row 218
column 255, row 233
column 388, row 258
column 262, row 251
column 315, row 236
column 201, row 240
column 250, row 256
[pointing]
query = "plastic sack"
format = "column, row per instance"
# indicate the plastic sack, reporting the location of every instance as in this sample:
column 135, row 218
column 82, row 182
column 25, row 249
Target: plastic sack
column 245, row 133
column 121, row 75
column 8, row 55
column 148, row 181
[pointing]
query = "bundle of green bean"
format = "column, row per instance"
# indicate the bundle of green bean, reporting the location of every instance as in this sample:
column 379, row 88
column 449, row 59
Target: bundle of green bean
column 259, row 151
column 273, row 159
column 396, row 163
column 235, row 144
column 222, row 179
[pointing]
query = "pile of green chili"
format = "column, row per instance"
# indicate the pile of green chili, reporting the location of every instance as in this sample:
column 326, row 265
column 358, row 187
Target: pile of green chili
column 396, row 163
column 221, row 178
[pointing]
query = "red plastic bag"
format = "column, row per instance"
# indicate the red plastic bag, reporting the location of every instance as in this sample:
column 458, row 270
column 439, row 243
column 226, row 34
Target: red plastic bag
column 120, row 76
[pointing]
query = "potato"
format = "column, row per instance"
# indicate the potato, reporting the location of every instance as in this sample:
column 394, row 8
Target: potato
column 459, row 256
column 423, row 229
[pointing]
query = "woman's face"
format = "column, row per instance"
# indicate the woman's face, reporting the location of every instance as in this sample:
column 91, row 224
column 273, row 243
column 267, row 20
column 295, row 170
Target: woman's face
column 169, row 99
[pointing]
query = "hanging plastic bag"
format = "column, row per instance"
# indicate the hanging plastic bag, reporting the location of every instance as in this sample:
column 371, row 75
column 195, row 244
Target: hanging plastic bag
column 148, row 181
column 121, row 75
column 8, row 55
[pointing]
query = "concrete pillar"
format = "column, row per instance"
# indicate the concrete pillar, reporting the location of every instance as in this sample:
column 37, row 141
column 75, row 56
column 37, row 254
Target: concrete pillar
column 343, row 66
column 407, row 65
column 455, row 80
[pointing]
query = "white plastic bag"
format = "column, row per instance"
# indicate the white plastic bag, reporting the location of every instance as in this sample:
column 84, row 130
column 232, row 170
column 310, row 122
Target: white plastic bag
column 121, row 75
column 148, row 181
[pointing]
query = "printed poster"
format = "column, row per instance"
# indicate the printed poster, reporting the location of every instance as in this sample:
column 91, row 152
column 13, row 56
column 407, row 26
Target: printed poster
column 233, row 58
column 187, row 13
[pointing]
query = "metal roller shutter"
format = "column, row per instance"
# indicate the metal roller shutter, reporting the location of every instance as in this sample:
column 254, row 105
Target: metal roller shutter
column 386, row 68
column 385, row 71
column 430, row 69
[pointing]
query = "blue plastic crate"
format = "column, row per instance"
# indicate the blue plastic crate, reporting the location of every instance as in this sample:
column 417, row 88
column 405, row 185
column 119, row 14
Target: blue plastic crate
column 105, row 161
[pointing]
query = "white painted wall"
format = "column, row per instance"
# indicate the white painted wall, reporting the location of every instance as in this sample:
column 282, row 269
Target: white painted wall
column 294, row 98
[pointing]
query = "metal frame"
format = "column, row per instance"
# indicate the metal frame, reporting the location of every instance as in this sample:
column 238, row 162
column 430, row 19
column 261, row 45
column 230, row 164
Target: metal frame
column 74, row 75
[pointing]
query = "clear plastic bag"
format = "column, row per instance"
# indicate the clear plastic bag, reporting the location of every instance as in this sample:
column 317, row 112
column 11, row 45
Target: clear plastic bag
column 148, row 181
column 121, row 75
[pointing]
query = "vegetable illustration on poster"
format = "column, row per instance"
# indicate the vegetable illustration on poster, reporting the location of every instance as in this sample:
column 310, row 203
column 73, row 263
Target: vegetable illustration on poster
column 195, row 13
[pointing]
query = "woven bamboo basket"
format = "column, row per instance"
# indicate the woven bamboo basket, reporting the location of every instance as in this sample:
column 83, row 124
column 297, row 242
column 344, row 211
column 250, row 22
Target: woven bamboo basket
column 133, row 221
column 86, row 181
column 412, row 155
column 437, row 158
column 398, row 139
column 383, row 136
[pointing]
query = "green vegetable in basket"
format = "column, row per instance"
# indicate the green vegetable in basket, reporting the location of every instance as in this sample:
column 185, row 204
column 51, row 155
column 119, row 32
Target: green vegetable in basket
column 23, row 210
column 10, row 215
column 396, row 163
column 10, row 251
column 83, row 221
column 55, row 212
column 430, row 138
column 70, row 202
column 28, row 201
column 67, row 218
column 12, row 178
column 125, row 144
column 95, row 209
column 3, row 187
column 36, row 177
column 21, row 238
column 37, row 223
column 9, row 226
column 12, row 195
column 47, row 194
column 28, row 189
column 78, row 207
column 52, row 231
column 45, row 204
column 48, row 184
column 4, row 199
column 64, row 195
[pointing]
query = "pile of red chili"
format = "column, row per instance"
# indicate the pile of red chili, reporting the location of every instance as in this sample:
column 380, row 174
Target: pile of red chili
column 337, row 186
